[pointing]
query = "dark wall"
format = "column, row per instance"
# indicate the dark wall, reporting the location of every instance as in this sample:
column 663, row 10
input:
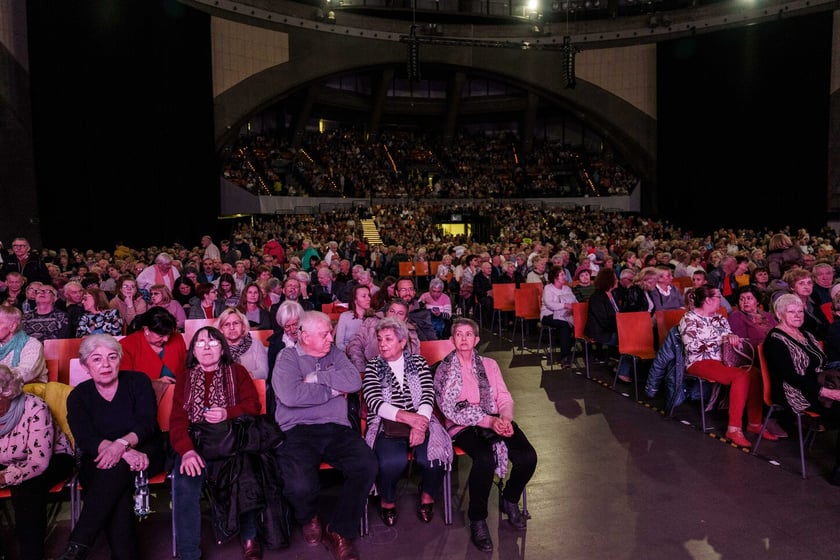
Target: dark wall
column 743, row 125
column 122, row 122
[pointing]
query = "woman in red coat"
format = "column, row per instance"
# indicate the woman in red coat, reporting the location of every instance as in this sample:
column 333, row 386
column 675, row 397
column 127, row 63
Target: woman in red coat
column 155, row 347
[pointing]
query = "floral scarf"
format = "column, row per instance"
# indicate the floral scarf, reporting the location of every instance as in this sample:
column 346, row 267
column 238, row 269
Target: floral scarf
column 237, row 350
column 448, row 384
column 222, row 391
column 440, row 444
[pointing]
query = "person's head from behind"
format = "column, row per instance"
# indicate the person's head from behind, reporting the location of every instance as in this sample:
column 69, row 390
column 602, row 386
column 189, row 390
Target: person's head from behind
column 11, row 385
column 704, row 297
column 605, row 280
column 315, row 334
column 233, row 324
column 100, row 356
column 208, row 350
column 789, row 311
column 391, row 338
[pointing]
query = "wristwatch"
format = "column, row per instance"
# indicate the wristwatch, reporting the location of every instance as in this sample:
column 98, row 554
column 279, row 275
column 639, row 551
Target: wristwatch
column 121, row 441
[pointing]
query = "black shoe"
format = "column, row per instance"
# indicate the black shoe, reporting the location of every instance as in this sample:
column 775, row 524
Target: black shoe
column 514, row 514
column 480, row 535
column 75, row 551
column 388, row 515
column 426, row 512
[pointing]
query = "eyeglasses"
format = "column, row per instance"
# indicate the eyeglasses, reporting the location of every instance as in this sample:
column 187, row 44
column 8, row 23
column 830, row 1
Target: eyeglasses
column 404, row 290
column 155, row 293
column 44, row 292
column 127, row 286
column 292, row 326
column 205, row 343
column 18, row 245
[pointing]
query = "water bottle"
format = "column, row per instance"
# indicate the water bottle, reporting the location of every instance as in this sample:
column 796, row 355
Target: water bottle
column 141, row 495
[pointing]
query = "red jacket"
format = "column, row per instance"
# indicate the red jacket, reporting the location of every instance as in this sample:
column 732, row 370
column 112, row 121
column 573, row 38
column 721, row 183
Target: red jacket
column 139, row 356
column 274, row 248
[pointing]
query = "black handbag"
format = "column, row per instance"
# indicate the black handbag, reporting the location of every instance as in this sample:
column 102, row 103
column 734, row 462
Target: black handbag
column 214, row 441
column 395, row 430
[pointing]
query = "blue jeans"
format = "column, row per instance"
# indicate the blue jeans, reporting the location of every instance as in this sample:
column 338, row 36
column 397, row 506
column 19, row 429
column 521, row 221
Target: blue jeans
column 299, row 460
column 392, row 454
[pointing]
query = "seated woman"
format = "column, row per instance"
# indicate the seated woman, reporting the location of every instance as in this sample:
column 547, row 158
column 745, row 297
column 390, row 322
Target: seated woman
column 99, row 317
column 161, row 296
column 399, row 391
column 600, row 319
column 113, row 416
column 440, row 306
column 252, row 306
column 183, row 292
column 794, row 362
column 227, row 290
column 702, row 330
column 206, row 304
column 23, row 354
column 247, row 351
column 364, row 346
column 664, row 294
column 156, row 347
column 582, row 283
column 471, row 393
column 801, row 284
column 351, row 320
column 35, row 455
column 556, row 311
column 214, row 388
column 747, row 320
column 128, row 301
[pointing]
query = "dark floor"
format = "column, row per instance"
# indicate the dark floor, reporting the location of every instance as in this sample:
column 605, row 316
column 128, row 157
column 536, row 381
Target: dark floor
column 616, row 479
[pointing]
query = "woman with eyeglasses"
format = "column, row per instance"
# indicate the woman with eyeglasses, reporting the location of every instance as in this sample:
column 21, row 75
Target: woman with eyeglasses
column 98, row 317
column 702, row 330
column 246, row 350
column 213, row 388
column 155, row 347
column 128, row 301
column 161, row 296
column 113, row 417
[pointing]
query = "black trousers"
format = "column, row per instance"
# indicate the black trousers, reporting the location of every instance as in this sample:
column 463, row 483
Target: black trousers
column 29, row 501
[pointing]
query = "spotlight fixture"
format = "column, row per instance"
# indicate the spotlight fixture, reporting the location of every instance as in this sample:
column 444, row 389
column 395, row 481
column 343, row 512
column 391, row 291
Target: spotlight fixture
column 413, row 55
column 568, row 52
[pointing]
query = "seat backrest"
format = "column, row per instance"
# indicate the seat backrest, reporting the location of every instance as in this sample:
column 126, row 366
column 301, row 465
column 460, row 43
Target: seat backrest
column 405, row 268
column 55, row 395
column 422, row 268
column 681, row 283
column 77, row 373
column 580, row 312
column 765, row 375
column 665, row 319
column 164, row 410
column 262, row 335
column 527, row 300
column 436, row 350
column 192, row 325
column 828, row 311
column 433, row 267
column 63, row 350
column 504, row 297
column 635, row 333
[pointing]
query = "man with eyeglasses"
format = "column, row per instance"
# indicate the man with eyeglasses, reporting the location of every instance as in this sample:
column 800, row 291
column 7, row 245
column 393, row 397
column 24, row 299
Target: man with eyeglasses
column 45, row 321
column 26, row 262
column 418, row 315
column 311, row 381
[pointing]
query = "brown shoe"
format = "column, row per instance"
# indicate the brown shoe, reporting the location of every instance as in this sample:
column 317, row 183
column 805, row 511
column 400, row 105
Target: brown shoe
column 252, row 549
column 312, row 531
column 341, row 548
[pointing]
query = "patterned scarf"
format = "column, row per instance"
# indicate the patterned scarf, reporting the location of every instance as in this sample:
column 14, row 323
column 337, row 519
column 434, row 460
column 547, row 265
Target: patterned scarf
column 448, row 384
column 15, row 345
column 440, row 444
column 236, row 350
column 222, row 391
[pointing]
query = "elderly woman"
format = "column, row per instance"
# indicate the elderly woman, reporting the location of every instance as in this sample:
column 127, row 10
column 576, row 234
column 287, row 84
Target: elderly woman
column 99, row 317
column 703, row 331
column 351, row 320
column 23, row 354
column 113, row 417
column 794, row 361
column 364, row 346
column 556, row 311
column 156, row 348
column 247, row 351
column 161, row 296
column 439, row 305
column 35, row 455
column 213, row 389
column 471, row 393
column 801, row 284
column 399, row 392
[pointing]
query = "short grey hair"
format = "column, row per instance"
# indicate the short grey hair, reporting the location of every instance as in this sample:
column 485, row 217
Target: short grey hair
column 94, row 341
column 785, row 301
column 400, row 329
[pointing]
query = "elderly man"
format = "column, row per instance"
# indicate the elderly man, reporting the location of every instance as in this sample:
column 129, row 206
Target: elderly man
column 25, row 261
column 23, row 354
column 211, row 251
column 161, row 273
column 45, row 321
column 311, row 381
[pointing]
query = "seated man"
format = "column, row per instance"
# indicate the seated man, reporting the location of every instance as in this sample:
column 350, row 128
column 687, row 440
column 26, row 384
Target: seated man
column 311, row 381
column 418, row 315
